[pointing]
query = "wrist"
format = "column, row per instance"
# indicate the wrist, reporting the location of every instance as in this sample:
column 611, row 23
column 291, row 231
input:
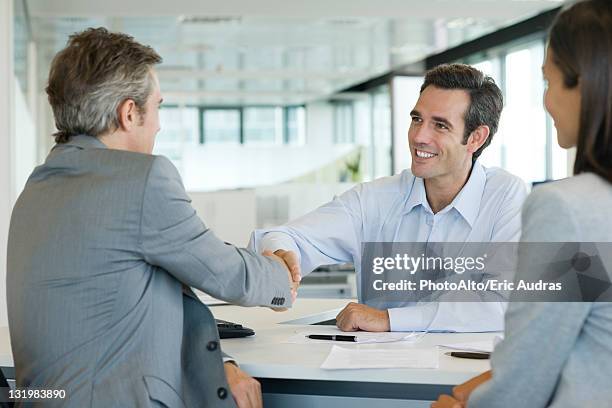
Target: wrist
column 230, row 364
column 386, row 319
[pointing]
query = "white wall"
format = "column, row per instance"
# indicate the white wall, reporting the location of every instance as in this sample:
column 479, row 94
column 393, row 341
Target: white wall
column 6, row 141
column 234, row 214
column 26, row 143
column 405, row 95
column 230, row 214
column 319, row 123
column 207, row 168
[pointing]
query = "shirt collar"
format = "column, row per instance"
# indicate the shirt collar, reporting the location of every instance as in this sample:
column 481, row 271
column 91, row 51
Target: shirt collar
column 467, row 202
column 417, row 195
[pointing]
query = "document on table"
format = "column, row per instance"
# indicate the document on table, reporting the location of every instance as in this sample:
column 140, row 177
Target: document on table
column 341, row 358
column 474, row 346
column 360, row 337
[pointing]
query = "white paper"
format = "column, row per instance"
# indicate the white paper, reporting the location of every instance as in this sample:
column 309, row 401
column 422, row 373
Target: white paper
column 352, row 358
column 486, row 346
column 361, row 337
column 473, row 346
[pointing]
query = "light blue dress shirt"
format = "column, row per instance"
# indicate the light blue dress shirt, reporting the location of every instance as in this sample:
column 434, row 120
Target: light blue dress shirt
column 395, row 209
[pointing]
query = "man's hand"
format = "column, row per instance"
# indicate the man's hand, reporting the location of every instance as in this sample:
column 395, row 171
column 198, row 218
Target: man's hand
column 356, row 316
column 292, row 262
column 245, row 389
column 446, row 401
column 462, row 392
column 289, row 260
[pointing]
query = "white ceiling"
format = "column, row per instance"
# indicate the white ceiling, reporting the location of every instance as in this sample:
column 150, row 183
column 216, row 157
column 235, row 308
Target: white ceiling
column 431, row 9
column 276, row 52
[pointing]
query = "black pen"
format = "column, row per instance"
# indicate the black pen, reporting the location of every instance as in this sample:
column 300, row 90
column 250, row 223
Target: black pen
column 470, row 354
column 338, row 337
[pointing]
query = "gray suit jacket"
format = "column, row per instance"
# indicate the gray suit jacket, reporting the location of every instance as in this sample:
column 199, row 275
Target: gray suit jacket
column 557, row 354
column 101, row 244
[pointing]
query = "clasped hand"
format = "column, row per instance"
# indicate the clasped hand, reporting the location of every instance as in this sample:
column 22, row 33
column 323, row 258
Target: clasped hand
column 290, row 261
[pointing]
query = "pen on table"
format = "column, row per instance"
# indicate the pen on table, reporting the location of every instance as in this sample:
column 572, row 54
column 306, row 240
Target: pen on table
column 337, row 337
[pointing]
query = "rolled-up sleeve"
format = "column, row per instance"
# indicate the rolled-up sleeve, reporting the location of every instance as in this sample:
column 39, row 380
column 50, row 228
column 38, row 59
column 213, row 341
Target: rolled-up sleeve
column 331, row 234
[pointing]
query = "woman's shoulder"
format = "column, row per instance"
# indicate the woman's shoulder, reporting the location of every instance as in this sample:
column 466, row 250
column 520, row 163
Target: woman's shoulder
column 576, row 208
column 578, row 191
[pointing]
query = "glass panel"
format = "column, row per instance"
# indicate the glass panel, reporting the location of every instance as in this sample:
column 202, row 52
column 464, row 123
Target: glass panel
column 343, row 123
column 263, row 125
column 523, row 123
column 21, row 37
column 296, row 125
column 221, row 125
column 178, row 125
column 492, row 156
column 406, row 91
column 491, row 68
column 381, row 125
column 179, row 128
column 364, row 136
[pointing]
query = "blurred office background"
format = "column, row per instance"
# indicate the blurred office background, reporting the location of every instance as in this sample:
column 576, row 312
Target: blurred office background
column 273, row 107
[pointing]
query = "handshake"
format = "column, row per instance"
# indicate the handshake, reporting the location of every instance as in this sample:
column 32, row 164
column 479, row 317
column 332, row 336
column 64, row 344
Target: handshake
column 290, row 261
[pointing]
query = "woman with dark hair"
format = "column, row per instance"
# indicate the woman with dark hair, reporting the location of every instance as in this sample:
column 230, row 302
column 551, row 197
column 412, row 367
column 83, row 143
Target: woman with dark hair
column 559, row 354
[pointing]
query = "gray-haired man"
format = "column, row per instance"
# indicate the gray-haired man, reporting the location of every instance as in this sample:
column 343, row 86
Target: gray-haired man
column 104, row 245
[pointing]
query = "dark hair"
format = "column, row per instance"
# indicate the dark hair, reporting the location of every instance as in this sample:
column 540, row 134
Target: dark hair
column 486, row 100
column 92, row 76
column 581, row 42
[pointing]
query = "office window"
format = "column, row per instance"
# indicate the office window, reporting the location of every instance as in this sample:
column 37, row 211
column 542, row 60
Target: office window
column 179, row 128
column 21, row 39
column 178, row 125
column 221, row 125
column 523, row 123
column 343, row 123
column 526, row 142
column 405, row 93
column 494, row 154
column 253, row 125
column 263, row 125
column 381, row 131
column 295, row 125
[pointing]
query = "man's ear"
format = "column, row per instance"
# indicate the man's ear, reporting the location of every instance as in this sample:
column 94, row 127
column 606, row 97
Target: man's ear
column 477, row 138
column 128, row 115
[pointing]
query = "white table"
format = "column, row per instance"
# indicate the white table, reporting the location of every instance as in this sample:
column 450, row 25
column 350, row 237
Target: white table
column 290, row 373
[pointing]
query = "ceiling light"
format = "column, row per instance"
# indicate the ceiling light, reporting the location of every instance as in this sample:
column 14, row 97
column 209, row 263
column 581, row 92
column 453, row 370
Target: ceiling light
column 208, row 20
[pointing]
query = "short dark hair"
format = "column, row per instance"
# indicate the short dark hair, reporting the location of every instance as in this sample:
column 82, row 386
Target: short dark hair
column 486, row 100
column 581, row 42
column 92, row 76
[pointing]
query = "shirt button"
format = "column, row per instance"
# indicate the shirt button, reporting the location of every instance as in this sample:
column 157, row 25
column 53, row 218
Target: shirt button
column 222, row 393
column 211, row 346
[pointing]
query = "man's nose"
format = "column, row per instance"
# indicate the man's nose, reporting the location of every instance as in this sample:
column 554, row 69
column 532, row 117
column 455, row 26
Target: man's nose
column 419, row 135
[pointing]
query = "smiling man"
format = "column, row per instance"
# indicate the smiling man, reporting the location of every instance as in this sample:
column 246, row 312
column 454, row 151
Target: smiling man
column 446, row 196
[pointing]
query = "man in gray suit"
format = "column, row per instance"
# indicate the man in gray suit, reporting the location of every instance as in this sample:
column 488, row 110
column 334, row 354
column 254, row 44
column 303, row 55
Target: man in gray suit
column 104, row 247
